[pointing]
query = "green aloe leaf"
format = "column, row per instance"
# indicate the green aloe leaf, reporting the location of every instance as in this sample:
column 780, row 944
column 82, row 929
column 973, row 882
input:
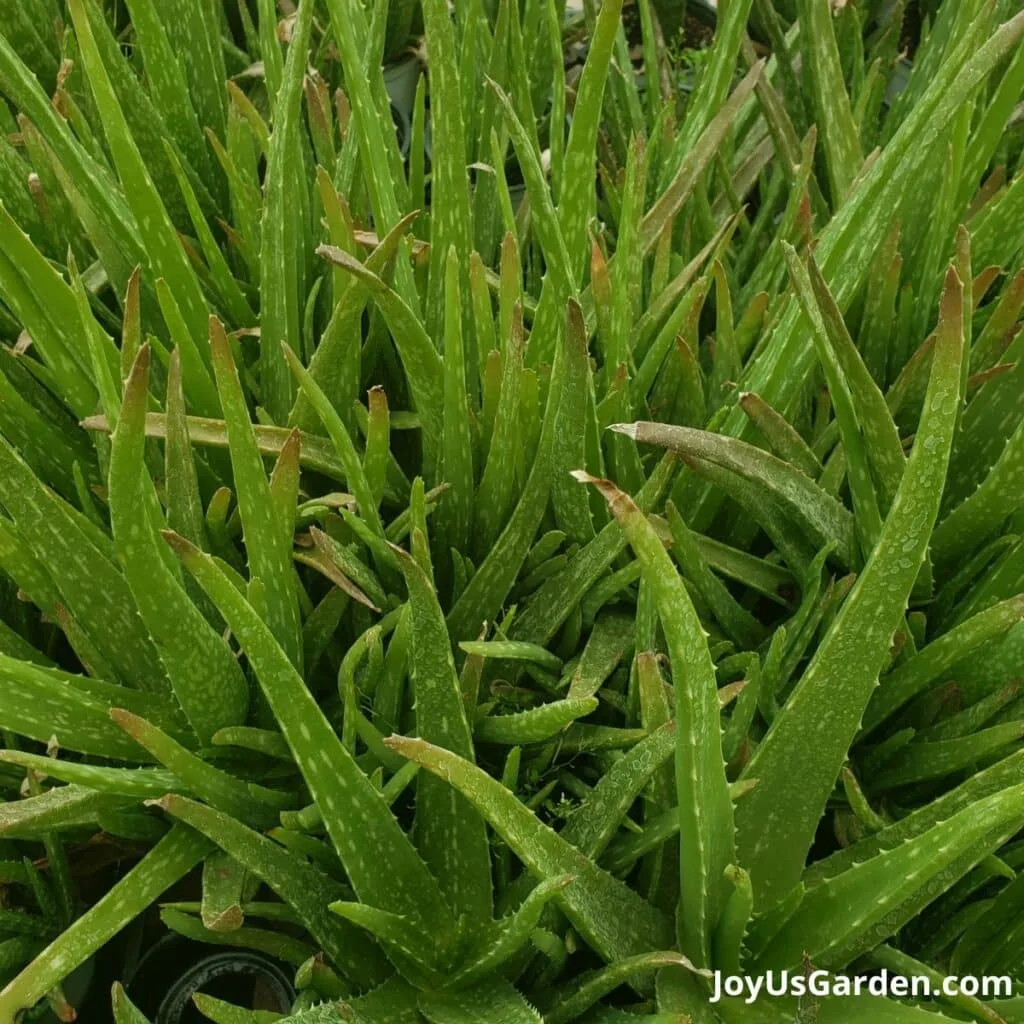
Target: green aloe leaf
column 221, row 789
column 494, row 999
column 927, row 666
column 207, row 680
column 395, row 877
column 58, row 809
column 301, row 885
column 776, row 822
column 706, row 817
column 820, row 516
column 165, row 255
column 493, row 580
column 269, row 558
column 142, row 783
column 848, row 914
column 609, row 915
column 449, row 834
column 847, row 245
column 534, row 725
column 830, row 99
column 592, row 987
column 172, row 858
column 283, row 234
column 504, row 938
column 92, row 589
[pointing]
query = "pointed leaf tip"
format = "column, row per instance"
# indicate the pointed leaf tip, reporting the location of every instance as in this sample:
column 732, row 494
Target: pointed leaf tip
column 181, row 546
column 125, row 719
column 629, row 429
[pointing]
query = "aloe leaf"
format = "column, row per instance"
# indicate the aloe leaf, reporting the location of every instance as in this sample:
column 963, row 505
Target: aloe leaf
column 220, row 1012
column 396, row 877
column 315, row 452
column 278, row 945
column 281, row 252
column 207, row 680
column 182, row 497
column 495, row 493
column 224, row 881
column 394, row 1002
column 487, row 590
column 269, row 558
column 592, row 987
column 406, row 946
column 166, row 258
column 819, row 515
column 449, row 834
column 733, row 617
column 64, row 807
column 457, row 451
column 594, row 823
column 194, row 34
column 577, row 192
column 552, row 603
column 910, row 678
column 545, row 221
column 450, row 226
column 830, row 98
column 534, row 725
column 609, row 641
column 698, row 155
column 572, row 510
column 847, row 245
column 92, row 178
column 423, row 366
column 218, row 787
column 168, row 86
column 706, row 819
column 302, row 886
column 858, row 473
column 848, row 914
column 96, row 594
column 492, row 999
column 609, row 915
column 980, row 515
column 776, row 822
column 355, row 476
column 45, row 304
column 373, row 127
column 125, row 1011
column 507, row 936
column 881, row 438
column 921, row 761
column 172, row 858
column 141, row 783
column 198, row 381
column 336, row 356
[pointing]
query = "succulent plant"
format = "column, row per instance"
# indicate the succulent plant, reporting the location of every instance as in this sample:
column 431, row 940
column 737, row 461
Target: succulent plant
column 503, row 607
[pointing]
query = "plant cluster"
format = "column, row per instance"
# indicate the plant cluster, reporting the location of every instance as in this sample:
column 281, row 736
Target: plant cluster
column 515, row 579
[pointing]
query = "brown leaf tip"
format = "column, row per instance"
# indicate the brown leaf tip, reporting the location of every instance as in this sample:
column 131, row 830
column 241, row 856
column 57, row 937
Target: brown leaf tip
column 181, row 546
column 629, row 429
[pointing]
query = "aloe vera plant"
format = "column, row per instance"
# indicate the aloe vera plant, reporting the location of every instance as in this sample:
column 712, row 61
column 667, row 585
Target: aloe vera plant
column 513, row 603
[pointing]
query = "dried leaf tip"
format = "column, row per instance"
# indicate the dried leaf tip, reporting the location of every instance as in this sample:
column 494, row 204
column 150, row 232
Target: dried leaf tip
column 125, row 719
column 619, row 503
column 629, row 429
column 219, row 339
column 181, row 546
column 407, row 746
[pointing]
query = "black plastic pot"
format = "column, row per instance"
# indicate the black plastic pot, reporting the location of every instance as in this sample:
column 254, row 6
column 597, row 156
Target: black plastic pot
column 174, row 969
